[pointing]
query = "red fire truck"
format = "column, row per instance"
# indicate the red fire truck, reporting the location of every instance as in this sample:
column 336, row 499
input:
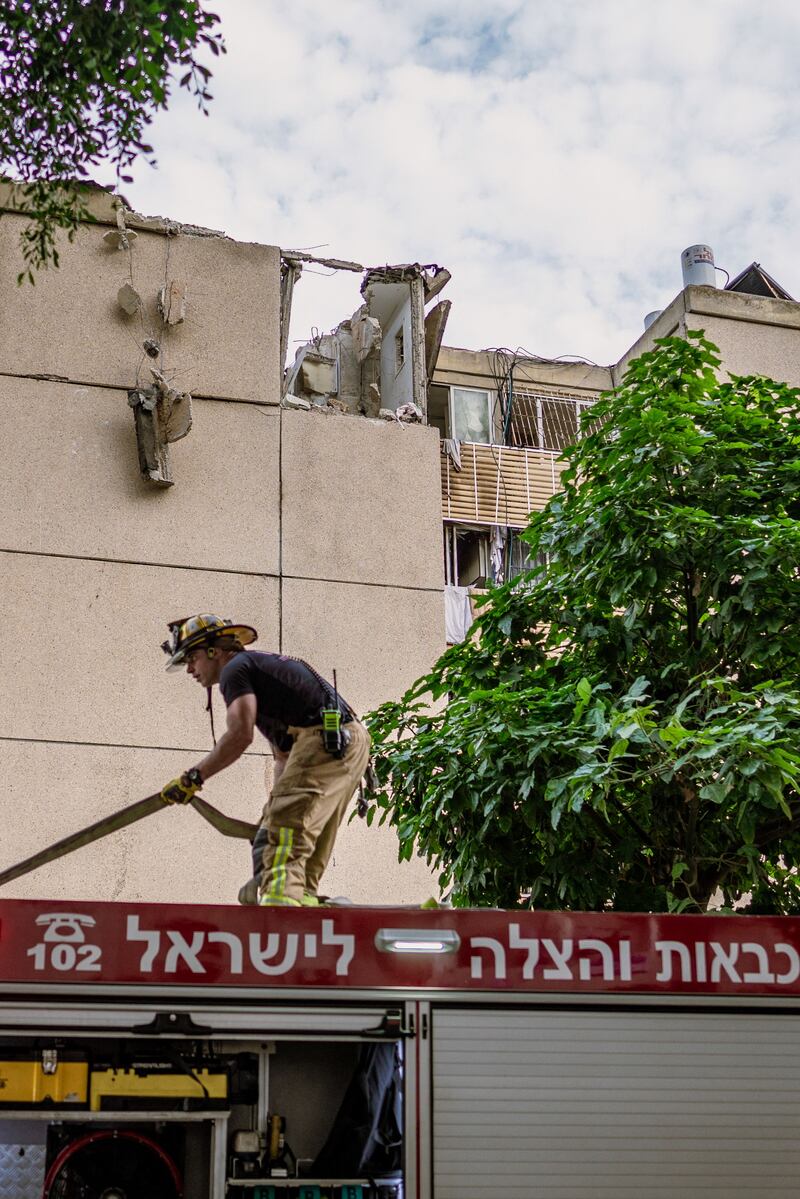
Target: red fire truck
column 158, row 1052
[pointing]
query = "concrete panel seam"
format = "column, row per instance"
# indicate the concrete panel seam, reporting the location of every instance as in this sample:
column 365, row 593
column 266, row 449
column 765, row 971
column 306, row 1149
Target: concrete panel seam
column 214, row 399
column 222, row 570
column 365, row 583
column 178, row 749
column 210, row 570
column 736, row 318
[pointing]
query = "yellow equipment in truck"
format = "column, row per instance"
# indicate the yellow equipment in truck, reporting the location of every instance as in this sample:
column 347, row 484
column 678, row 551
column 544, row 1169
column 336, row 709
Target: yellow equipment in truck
column 53, row 1079
column 138, row 1089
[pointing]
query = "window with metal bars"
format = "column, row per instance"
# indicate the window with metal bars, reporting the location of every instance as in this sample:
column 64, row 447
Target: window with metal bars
column 519, row 556
column 545, row 422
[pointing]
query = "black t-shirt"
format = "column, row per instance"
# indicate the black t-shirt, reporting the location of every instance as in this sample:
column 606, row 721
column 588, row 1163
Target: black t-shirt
column 286, row 689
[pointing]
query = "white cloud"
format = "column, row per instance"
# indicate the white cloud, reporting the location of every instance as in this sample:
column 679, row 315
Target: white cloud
column 556, row 155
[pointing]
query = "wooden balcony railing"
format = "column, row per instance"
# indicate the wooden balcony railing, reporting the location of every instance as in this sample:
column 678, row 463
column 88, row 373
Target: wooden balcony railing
column 498, row 484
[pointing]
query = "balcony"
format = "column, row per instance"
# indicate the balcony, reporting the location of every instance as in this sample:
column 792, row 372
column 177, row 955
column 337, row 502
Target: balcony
column 498, row 484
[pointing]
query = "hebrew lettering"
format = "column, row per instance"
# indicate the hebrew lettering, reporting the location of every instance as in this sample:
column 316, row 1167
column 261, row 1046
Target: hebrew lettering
column 515, row 941
column 151, row 939
column 345, row 941
column 667, row 949
column 559, row 958
column 498, row 957
column 606, row 958
column 262, row 959
column 234, row 948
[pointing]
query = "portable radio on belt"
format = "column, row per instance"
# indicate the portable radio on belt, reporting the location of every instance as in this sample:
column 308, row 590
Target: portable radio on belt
column 334, row 739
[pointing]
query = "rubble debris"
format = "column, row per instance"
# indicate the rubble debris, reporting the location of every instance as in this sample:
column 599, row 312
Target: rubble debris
column 435, row 322
column 387, row 414
column 153, row 454
column 172, row 302
column 161, row 415
column 120, row 239
column 160, row 224
column 176, row 407
column 434, row 277
column 367, row 334
column 290, row 401
column 371, row 402
column 335, row 264
column 151, row 347
column 129, row 299
column 410, row 413
column 375, row 361
column 318, row 374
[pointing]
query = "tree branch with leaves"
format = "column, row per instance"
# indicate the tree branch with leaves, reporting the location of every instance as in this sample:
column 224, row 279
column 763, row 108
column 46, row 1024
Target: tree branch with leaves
column 623, row 732
column 82, row 81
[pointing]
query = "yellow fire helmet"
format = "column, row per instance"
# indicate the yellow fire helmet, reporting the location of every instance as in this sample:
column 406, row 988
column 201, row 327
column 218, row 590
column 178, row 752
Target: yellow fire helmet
column 190, row 632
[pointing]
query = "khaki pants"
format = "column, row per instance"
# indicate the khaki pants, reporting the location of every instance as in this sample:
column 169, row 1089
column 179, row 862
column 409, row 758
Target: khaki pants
column 302, row 816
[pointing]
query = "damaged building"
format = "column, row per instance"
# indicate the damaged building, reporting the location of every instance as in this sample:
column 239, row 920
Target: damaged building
column 379, row 361
column 500, row 420
column 152, row 468
column 161, row 459
column 503, row 417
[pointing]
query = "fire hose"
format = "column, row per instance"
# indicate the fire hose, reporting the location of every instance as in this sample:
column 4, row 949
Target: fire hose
column 227, row 825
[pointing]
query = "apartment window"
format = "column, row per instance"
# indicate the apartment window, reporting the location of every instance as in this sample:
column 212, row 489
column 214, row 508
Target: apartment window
column 399, row 349
column 471, row 414
column 467, row 556
column 520, row 558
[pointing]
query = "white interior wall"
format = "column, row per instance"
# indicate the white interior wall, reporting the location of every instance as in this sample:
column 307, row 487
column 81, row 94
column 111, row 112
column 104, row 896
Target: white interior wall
column 390, row 304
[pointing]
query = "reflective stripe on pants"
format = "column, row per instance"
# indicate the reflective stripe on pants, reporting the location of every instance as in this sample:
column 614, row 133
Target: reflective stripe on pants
column 303, row 814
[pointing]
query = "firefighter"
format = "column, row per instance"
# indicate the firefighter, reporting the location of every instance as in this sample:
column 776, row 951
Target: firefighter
column 320, row 749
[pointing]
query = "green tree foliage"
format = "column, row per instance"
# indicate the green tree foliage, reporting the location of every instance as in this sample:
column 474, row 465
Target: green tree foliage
column 81, row 81
column 625, row 731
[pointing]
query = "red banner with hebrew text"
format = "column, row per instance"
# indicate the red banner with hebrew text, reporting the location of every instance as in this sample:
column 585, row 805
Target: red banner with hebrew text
column 164, row 945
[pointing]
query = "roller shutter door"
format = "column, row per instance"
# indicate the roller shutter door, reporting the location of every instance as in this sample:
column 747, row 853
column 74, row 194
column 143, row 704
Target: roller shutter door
column 613, row 1105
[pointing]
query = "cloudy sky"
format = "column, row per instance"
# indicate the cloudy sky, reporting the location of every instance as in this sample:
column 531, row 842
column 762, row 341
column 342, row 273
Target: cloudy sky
column 555, row 155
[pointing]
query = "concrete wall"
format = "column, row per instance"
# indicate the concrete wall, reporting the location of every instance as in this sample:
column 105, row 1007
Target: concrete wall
column 475, row 368
column 755, row 335
column 295, row 522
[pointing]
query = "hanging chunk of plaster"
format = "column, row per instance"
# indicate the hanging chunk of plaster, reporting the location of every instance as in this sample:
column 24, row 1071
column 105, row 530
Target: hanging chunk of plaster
column 120, row 239
column 161, row 415
column 129, row 299
column 172, row 302
column 175, row 408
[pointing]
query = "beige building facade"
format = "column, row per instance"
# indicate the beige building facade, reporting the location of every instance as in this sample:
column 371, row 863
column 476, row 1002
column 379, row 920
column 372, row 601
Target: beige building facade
column 288, row 519
column 281, row 499
column 504, row 417
column 756, row 334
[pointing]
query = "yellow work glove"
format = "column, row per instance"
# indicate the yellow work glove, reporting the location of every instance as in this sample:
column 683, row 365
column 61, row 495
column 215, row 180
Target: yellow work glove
column 182, row 789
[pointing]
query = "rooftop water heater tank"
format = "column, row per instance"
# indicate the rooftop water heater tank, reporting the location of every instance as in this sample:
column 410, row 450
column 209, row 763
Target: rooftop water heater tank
column 697, row 263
